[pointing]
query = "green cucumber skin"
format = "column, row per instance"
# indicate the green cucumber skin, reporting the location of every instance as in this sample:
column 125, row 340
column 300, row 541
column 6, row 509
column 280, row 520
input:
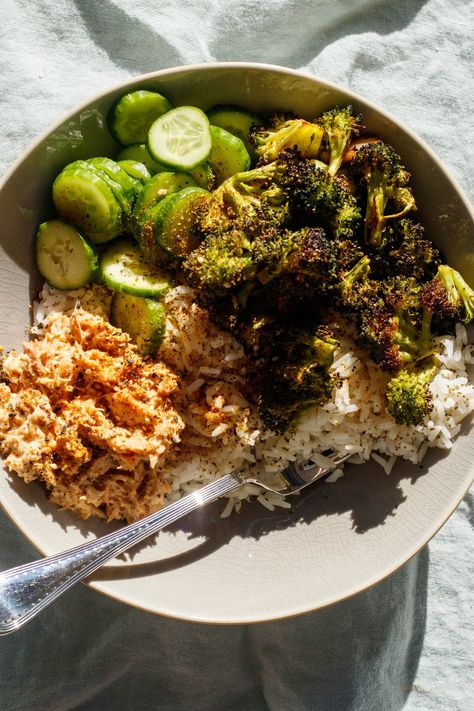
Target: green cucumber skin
column 143, row 319
column 167, row 182
column 158, row 284
column 235, row 120
column 169, row 216
column 123, row 110
column 139, row 152
column 44, row 242
column 74, row 209
column 135, row 169
column 117, row 173
column 144, row 233
column 115, row 178
column 228, row 154
column 117, row 189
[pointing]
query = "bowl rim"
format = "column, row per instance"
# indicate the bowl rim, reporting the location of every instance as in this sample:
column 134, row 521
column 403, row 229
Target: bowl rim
column 356, row 97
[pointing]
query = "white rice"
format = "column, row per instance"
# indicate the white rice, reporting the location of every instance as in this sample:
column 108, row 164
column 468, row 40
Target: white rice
column 212, row 367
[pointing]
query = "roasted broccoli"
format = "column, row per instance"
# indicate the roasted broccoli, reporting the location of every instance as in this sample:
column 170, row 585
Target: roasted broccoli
column 305, row 254
column 448, row 297
column 247, row 205
column 244, row 201
column 316, row 198
column 386, row 181
column 296, row 134
column 340, row 126
column 390, row 320
column 297, row 375
column 406, row 252
column 408, row 394
column 285, row 244
column 221, row 262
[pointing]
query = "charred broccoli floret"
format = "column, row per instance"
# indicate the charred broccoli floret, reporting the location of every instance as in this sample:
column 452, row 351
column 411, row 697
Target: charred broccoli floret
column 305, row 254
column 316, row 198
column 340, row 126
column 406, row 252
column 356, row 290
column 246, row 205
column 297, row 376
column 296, row 134
column 244, row 201
column 448, row 297
column 221, row 262
column 390, row 322
column 386, row 183
column 408, row 395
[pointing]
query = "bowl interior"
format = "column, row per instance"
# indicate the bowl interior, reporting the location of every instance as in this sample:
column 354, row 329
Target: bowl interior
column 338, row 539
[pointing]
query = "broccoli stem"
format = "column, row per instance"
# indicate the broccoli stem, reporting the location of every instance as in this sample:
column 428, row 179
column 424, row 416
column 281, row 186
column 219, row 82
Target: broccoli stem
column 360, row 271
column 459, row 292
column 377, row 198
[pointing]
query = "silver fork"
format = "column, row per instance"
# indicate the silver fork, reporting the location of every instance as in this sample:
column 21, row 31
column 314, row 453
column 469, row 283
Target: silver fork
column 27, row 589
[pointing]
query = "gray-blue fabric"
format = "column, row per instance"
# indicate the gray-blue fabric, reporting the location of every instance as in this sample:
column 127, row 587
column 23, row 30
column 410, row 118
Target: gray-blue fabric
column 406, row 643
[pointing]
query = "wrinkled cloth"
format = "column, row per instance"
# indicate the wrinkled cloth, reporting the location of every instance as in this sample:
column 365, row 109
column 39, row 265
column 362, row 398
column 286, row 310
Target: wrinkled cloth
column 406, row 643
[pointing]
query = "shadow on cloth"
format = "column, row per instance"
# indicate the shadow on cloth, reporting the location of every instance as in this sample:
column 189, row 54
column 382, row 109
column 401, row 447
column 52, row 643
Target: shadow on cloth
column 139, row 48
column 104, row 655
column 303, row 29
column 228, row 32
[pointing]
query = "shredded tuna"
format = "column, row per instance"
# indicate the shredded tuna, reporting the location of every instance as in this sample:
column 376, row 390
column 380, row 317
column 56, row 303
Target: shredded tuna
column 82, row 411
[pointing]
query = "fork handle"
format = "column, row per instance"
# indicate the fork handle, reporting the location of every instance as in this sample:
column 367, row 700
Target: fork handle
column 28, row 589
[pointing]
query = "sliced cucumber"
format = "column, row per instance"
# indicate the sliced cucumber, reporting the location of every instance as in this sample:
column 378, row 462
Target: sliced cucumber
column 114, row 177
column 235, row 120
column 180, row 138
column 117, row 173
column 143, row 319
column 123, row 187
column 228, row 154
column 124, row 268
column 159, row 187
column 204, row 176
column 139, row 152
column 83, row 197
column 135, row 169
column 131, row 117
column 174, row 220
column 63, row 256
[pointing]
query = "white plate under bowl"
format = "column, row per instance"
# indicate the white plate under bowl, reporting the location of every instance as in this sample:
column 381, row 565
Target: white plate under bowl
column 340, row 538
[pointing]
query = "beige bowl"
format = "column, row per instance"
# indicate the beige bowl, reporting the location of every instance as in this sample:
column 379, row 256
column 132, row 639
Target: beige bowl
column 340, row 538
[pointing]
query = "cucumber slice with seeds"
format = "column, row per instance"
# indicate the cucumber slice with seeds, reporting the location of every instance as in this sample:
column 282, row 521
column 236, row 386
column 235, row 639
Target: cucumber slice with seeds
column 180, row 138
column 131, row 117
column 83, row 197
column 235, row 120
column 139, row 152
column 124, row 268
column 228, row 154
column 63, row 256
column 143, row 319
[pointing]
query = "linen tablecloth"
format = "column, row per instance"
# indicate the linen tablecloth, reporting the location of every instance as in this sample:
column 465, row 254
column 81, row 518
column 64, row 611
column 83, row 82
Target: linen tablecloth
column 406, row 643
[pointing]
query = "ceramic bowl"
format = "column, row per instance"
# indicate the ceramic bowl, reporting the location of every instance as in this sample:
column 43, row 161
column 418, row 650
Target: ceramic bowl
column 338, row 539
